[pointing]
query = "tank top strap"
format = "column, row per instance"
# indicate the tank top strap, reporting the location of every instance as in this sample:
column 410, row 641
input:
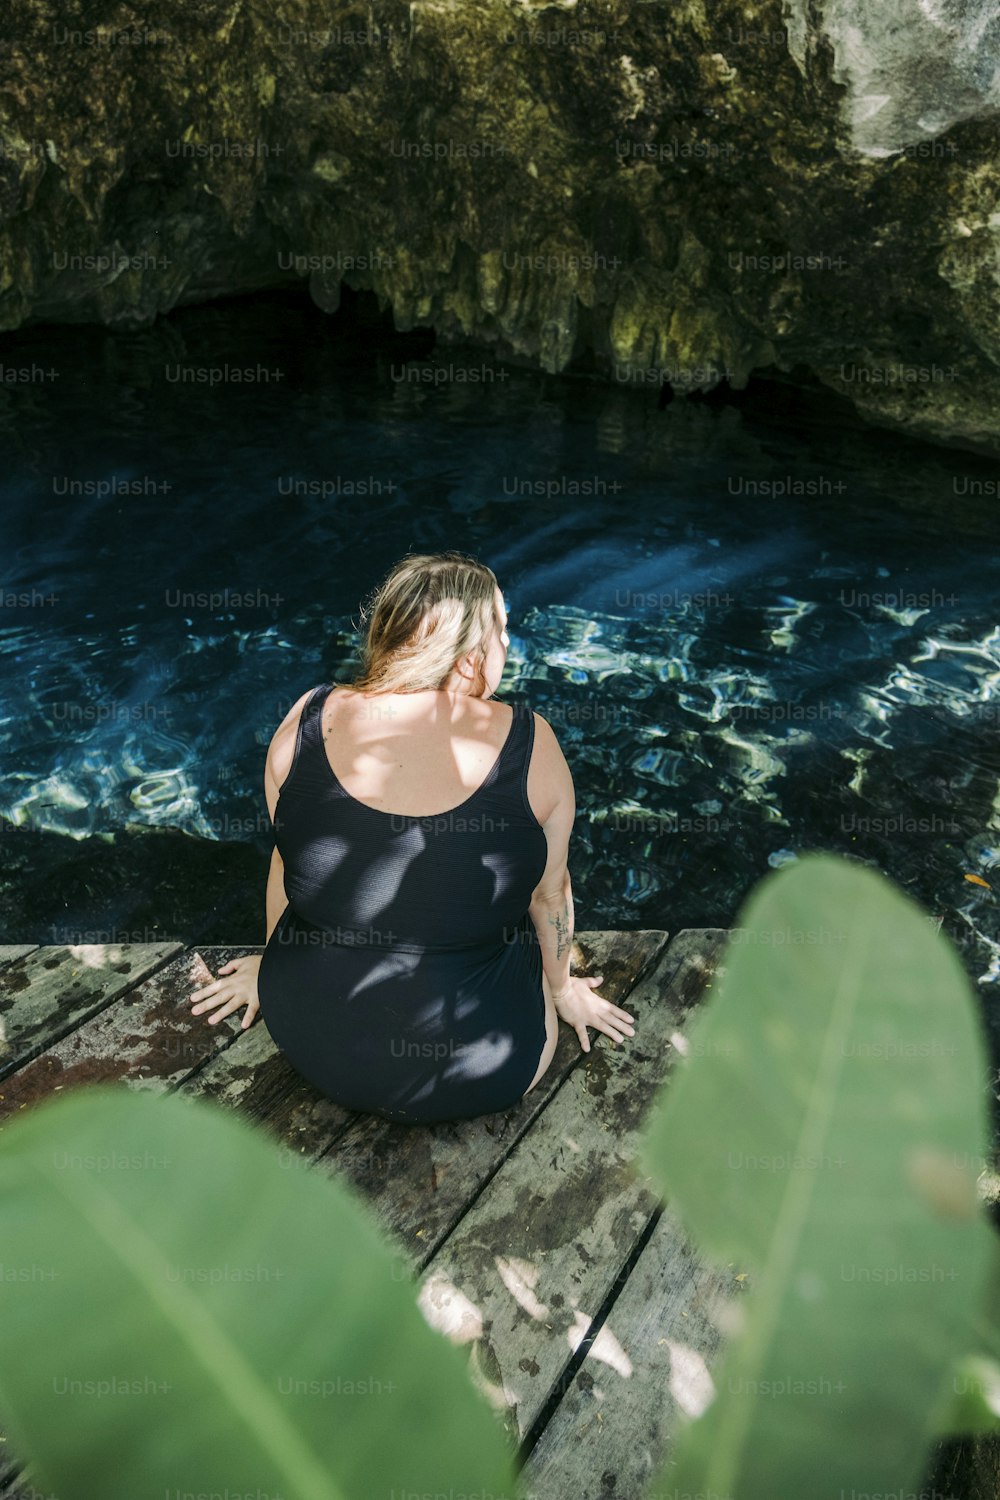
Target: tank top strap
column 310, row 734
column 513, row 765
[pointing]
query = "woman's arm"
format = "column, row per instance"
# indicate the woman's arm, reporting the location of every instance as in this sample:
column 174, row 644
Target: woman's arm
column 553, row 921
column 280, row 754
column 236, row 984
column 550, row 788
column 550, row 791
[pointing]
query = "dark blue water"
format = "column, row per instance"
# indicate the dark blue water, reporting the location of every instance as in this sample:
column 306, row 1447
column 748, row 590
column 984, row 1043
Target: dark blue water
column 757, row 629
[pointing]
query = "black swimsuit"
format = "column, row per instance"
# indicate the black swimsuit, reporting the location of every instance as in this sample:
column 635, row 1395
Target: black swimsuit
column 404, row 978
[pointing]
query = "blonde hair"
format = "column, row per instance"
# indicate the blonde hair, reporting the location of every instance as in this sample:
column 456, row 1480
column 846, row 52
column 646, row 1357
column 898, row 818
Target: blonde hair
column 426, row 614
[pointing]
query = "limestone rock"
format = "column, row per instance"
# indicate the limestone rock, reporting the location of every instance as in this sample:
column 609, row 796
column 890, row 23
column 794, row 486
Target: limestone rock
column 911, row 70
column 678, row 191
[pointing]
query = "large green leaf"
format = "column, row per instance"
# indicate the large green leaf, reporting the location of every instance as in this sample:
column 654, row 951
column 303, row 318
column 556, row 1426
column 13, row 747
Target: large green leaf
column 244, row 1327
column 973, row 1404
column 824, row 1133
column 970, row 1399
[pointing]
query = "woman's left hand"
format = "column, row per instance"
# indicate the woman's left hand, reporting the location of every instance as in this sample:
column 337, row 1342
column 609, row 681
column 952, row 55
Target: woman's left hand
column 239, row 988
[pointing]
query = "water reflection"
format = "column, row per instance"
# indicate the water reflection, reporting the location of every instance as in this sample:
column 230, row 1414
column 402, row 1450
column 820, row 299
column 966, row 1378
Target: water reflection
column 736, row 676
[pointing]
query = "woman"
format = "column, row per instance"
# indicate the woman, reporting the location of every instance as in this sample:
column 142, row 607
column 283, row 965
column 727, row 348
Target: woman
column 419, row 907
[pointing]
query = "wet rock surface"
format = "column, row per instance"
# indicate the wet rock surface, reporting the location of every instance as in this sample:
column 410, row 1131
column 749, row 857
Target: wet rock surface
column 137, row 886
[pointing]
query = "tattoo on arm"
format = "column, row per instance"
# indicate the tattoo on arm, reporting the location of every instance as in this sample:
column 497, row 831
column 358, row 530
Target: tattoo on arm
column 561, row 924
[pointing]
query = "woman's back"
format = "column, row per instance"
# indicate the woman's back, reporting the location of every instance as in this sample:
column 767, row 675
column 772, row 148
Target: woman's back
column 420, row 869
column 412, row 753
column 410, row 823
column 404, row 975
column 418, row 752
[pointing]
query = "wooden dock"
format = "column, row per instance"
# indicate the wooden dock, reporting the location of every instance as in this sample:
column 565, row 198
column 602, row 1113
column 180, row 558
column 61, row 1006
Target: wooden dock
column 594, row 1323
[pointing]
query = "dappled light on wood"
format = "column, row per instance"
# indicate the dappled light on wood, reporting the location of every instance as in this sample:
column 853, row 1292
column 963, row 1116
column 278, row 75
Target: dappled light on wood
column 690, row 1383
column 605, row 1347
column 520, row 1278
column 450, row 1311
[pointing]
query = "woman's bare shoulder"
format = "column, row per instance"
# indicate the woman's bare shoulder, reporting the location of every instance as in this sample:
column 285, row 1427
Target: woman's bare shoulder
column 550, row 781
column 546, row 742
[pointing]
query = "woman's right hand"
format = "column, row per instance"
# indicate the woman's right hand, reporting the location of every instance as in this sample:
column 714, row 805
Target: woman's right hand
column 239, row 987
column 578, row 1005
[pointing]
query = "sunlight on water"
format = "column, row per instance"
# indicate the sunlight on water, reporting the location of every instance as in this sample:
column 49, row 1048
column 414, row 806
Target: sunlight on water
column 960, row 677
column 783, row 635
column 735, row 680
column 726, row 689
column 621, row 711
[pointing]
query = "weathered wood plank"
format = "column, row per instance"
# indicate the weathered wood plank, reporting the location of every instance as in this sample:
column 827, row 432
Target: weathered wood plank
column 14, row 1481
column 250, row 1075
column 647, row 1372
column 10, row 951
column 12, row 1484
column 228, row 1077
column 531, row 1263
column 402, row 1169
column 146, row 1038
column 47, row 993
column 253, row 1078
column 419, row 1180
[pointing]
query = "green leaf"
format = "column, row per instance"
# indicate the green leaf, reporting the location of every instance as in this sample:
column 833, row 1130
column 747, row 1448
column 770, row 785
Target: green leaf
column 824, row 1134
column 970, row 1401
column 973, row 1397
column 237, row 1325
